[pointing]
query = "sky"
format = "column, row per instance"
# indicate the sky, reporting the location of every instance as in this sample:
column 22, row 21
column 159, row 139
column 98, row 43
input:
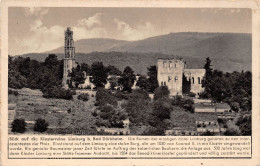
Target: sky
column 34, row 30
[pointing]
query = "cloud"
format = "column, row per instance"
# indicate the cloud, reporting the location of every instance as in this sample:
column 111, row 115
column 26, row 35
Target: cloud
column 35, row 11
column 91, row 21
column 137, row 33
column 44, row 38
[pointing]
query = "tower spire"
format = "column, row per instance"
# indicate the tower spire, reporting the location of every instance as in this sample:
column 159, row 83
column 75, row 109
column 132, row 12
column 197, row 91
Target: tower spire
column 69, row 58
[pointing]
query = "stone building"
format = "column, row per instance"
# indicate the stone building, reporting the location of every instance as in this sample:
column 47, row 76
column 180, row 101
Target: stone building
column 170, row 72
column 69, row 59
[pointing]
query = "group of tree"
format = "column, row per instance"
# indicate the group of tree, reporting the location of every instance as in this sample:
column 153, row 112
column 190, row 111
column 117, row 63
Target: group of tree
column 46, row 76
column 19, row 125
column 99, row 77
column 235, row 87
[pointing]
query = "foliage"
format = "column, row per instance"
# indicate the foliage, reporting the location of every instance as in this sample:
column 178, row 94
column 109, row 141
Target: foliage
column 41, row 125
column 184, row 103
column 208, row 133
column 161, row 92
column 76, row 76
column 162, row 109
column 127, row 79
column 142, row 82
column 112, row 70
column 228, row 87
column 152, row 79
column 138, row 107
column 104, row 97
column 18, row 126
column 113, row 80
column 57, row 92
column 24, row 72
column 245, row 124
column 155, row 131
column 186, row 85
column 83, row 96
column 99, row 74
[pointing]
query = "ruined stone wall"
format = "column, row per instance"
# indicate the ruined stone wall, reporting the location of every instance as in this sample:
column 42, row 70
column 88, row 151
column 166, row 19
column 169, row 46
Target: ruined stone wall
column 195, row 76
column 170, row 72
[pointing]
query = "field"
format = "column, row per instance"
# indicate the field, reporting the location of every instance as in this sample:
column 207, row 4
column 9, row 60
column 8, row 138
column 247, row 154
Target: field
column 63, row 116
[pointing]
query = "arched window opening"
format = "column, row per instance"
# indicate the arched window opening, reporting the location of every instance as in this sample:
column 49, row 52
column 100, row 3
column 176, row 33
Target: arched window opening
column 169, row 78
column 175, row 65
column 198, row 80
column 165, row 83
column 192, row 80
column 164, row 64
column 170, row 64
column 161, row 83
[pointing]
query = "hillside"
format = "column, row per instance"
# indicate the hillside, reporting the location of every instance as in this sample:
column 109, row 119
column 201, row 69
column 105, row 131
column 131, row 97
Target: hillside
column 228, row 51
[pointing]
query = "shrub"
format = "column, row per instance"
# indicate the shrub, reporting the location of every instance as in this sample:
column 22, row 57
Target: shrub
column 83, row 96
column 161, row 92
column 104, row 97
column 162, row 109
column 191, row 94
column 57, row 92
column 18, row 126
column 41, row 125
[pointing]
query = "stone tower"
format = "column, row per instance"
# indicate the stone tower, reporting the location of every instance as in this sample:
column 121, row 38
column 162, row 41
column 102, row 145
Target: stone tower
column 170, row 73
column 69, row 59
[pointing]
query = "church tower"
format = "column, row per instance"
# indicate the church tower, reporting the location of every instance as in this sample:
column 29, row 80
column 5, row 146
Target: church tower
column 69, row 59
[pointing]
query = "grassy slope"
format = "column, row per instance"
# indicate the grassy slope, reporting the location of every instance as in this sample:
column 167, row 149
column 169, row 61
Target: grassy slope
column 54, row 111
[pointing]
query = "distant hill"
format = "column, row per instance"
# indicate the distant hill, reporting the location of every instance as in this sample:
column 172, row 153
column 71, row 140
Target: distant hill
column 228, row 51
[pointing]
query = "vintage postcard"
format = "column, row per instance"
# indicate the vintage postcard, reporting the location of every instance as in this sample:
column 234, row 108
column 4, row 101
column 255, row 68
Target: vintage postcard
column 130, row 82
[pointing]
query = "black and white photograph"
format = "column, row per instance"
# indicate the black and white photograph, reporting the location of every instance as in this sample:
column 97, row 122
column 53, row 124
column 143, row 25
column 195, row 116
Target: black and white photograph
column 130, row 71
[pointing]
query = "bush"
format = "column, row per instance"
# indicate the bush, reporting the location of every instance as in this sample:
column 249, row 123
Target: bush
column 161, row 92
column 83, row 96
column 57, row 92
column 191, row 94
column 18, row 126
column 104, row 97
column 41, row 125
column 162, row 109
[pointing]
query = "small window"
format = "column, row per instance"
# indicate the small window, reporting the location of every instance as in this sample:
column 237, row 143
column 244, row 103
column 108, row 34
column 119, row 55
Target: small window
column 170, row 64
column 175, row 65
column 164, row 64
column 161, row 83
column 198, row 80
column 165, row 83
column 169, row 78
column 192, row 80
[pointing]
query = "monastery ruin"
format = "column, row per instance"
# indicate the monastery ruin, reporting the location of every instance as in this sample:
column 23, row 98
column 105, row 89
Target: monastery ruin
column 170, row 72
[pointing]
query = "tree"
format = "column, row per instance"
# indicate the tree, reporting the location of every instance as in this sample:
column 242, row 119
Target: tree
column 18, row 126
column 142, row 82
column 161, row 92
column 77, row 76
column 99, row 74
column 162, row 109
column 112, row 70
column 208, row 68
column 127, row 80
column 152, row 78
column 41, row 125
